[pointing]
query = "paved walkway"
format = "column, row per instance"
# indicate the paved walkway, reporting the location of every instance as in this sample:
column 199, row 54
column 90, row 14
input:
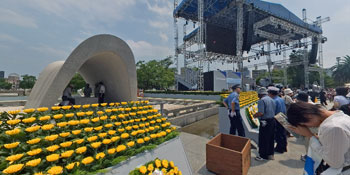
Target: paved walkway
column 196, row 135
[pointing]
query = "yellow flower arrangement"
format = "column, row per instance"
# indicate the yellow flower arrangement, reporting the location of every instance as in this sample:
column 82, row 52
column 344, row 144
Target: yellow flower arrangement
column 121, row 116
column 29, row 120
column 111, row 151
column 106, row 141
column 124, row 136
column 13, row 131
column 11, row 145
column 64, row 134
column 79, row 141
column 71, row 165
column 112, row 132
column 30, row 110
column 105, row 117
column 32, row 128
column 55, row 108
column 96, row 119
column 45, row 118
column 96, row 145
column 114, row 139
column 67, row 154
column 13, row 169
column 76, row 132
column 92, row 138
column 66, row 144
column 98, row 128
column 121, row 130
column 111, row 104
column 103, row 104
column 33, row 141
column 146, row 139
column 47, row 127
column 86, row 106
column 43, row 109
column 131, row 144
column 14, row 157
column 58, row 116
column 143, row 169
column 81, row 150
column 89, row 113
column 52, row 148
column 88, row 129
column 73, row 122
column 95, row 105
column 69, row 115
column 121, row 148
column 51, row 137
column 52, row 157
column 108, row 110
column 87, row 160
column 108, row 125
column 134, row 133
column 34, row 152
column 55, row 170
column 76, row 106
column 13, row 122
column 140, row 141
column 84, row 121
column 100, row 112
column 158, row 163
column 100, row 155
column 33, row 163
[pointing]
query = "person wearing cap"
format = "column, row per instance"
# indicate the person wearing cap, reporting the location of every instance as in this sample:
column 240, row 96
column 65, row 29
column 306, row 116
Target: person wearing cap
column 280, row 132
column 232, row 104
column 266, row 113
column 288, row 94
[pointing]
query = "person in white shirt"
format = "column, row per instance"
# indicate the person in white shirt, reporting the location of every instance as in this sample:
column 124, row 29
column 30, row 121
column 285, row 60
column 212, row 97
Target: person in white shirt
column 340, row 99
column 333, row 140
column 102, row 91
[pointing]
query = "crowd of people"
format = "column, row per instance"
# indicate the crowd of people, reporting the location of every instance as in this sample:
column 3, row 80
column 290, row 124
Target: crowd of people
column 326, row 132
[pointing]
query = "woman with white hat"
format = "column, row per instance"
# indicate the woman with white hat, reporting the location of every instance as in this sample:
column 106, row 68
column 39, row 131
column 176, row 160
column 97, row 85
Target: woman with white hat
column 288, row 93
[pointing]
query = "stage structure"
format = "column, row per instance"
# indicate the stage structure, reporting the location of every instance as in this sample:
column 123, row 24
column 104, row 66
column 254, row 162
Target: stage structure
column 225, row 29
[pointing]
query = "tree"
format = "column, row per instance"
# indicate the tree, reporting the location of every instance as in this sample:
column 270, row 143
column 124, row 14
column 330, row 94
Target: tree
column 77, row 81
column 27, row 81
column 4, row 84
column 341, row 71
column 155, row 74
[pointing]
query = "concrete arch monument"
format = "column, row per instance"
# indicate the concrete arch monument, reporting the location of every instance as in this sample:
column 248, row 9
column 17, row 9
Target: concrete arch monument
column 103, row 58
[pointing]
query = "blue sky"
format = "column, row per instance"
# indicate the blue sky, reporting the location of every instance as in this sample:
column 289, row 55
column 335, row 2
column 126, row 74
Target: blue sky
column 35, row 33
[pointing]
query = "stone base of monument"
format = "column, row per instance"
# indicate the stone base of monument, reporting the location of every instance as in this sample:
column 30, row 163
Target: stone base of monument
column 171, row 150
column 228, row 154
column 224, row 124
column 85, row 100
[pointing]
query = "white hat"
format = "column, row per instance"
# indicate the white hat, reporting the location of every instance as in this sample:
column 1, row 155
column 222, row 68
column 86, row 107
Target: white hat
column 272, row 88
column 262, row 91
column 288, row 91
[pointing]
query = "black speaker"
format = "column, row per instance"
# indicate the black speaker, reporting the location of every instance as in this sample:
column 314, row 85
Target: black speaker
column 248, row 30
column 313, row 52
column 209, row 81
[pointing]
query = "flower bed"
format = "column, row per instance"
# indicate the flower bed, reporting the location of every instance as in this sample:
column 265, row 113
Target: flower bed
column 158, row 166
column 245, row 98
column 78, row 139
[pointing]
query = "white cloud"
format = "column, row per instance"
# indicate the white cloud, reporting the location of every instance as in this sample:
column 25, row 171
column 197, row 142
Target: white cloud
column 11, row 17
column 49, row 51
column 164, row 37
column 159, row 24
column 161, row 7
column 5, row 37
column 143, row 49
column 341, row 16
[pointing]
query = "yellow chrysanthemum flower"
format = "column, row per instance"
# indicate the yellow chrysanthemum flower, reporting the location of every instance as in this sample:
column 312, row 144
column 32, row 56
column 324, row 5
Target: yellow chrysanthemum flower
column 98, row 128
column 51, row 137
column 13, row 131
column 39, row 173
column 52, row 157
column 92, row 138
column 76, row 106
column 13, row 122
column 158, row 163
column 172, row 165
column 66, row 107
column 143, row 169
column 87, row 160
column 32, row 128
column 106, row 141
column 11, row 145
column 81, row 150
column 34, row 141
column 125, row 136
column 34, row 152
column 111, row 132
column 67, row 154
column 33, row 163
column 95, row 105
column 66, row 144
column 96, row 144
column 131, row 144
column 73, row 122
column 86, row 106
column 29, row 120
column 100, row 112
column 88, row 129
column 153, row 136
column 165, row 163
column 108, row 110
column 121, row 130
column 47, row 127
column 55, row 170
column 100, row 155
column 140, row 141
column 84, row 121
column 150, row 167
column 108, row 125
column 69, row 115
column 114, row 139
column 103, row 104
column 113, row 117
column 13, row 169
column 58, row 116
column 111, row 151
column 105, row 117
column 43, row 109
column 30, row 110
column 14, row 157
column 134, row 133
column 44, row 118
column 121, row 148
column 79, row 141
column 146, row 139
column 64, row 134
column 55, row 108
column 76, row 132
column 52, row 148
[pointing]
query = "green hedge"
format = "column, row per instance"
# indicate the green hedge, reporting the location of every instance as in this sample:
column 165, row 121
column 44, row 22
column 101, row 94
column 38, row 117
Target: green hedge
column 185, row 92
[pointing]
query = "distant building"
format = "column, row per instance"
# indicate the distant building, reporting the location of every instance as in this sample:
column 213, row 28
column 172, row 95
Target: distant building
column 14, row 79
column 2, row 74
column 246, row 72
column 257, row 73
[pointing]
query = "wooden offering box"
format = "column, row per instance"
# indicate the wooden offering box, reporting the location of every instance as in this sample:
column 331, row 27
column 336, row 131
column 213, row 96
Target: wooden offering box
column 228, row 155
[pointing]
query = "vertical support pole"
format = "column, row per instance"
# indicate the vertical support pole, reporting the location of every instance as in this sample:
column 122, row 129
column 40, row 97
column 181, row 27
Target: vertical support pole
column 184, row 45
column 176, row 38
column 269, row 62
column 239, row 37
column 320, row 53
column 306, row 59
column 285, row 68
column 200, row 43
